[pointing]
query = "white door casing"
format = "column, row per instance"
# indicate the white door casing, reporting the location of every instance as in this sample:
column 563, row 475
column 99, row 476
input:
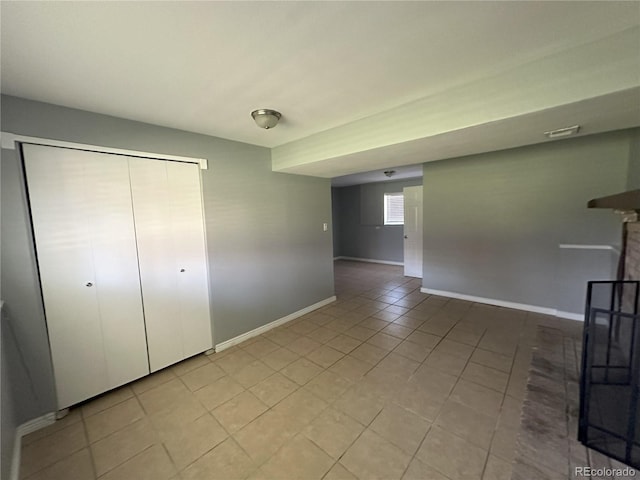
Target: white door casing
column 413, row 231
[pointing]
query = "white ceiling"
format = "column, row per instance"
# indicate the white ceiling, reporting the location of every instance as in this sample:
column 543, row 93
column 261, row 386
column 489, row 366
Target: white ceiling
column 204, row 66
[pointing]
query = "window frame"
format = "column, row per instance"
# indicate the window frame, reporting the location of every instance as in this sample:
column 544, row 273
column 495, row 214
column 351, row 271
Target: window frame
column 387, row 199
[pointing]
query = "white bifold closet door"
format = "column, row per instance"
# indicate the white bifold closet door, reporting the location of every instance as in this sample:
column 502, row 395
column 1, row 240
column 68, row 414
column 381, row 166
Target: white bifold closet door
column 85, row 240
column 172, row 255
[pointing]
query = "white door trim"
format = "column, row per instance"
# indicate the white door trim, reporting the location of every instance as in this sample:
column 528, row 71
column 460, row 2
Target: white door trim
column 9, row 141
column 412, row 231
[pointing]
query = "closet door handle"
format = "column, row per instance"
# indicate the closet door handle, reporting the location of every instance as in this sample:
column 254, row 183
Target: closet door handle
column 89, row 284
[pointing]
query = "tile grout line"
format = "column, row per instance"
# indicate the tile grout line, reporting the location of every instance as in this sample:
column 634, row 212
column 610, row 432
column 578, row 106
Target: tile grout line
column 495, row 427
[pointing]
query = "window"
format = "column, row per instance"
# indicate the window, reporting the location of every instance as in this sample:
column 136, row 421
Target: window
column 393, row 209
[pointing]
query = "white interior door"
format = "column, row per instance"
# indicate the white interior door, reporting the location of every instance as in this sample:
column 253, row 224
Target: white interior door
column 413, row 231
column 172, row 256
column 83, row 226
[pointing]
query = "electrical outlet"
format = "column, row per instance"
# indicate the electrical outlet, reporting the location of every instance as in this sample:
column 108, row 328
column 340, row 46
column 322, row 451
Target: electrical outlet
column 325, row 227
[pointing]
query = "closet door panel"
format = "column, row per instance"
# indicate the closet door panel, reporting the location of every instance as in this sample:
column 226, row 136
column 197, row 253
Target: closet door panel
column 57, row 193
column 117, row 276
column 189, row 240
column 170, row 231
column 82, row 217
column 156, row 256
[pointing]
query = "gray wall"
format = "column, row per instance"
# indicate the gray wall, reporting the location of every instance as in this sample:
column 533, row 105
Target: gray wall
column 493, row 222
column 359, row 221
column 633, row 181
column 21, row 400
column 13, row 381
column 20, row 287
column 18, row 396
column 268, row 254
column 8, row 415
column 335, row 212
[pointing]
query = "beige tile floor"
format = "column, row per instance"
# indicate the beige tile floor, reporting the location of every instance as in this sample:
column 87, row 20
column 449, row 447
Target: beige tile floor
column 385, row 383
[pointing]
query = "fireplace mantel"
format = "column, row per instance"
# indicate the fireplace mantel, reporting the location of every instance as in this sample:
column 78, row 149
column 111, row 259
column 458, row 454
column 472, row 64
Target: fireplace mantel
column 625, row 201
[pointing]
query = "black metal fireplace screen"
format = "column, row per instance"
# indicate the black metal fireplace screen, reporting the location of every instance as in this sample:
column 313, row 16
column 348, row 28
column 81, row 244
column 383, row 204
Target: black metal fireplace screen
column 610, row 381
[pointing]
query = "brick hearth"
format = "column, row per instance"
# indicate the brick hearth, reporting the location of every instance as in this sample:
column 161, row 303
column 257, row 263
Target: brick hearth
column 547, row 447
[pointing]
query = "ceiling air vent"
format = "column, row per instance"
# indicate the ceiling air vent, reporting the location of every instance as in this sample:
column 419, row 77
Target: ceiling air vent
column 563, row 132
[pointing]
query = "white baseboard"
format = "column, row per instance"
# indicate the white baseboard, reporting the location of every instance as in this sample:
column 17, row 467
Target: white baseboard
column 36, row 424
column 276, row 323
column 25, row 429
column 369, row 260
column 502, row 303
column 578, row 317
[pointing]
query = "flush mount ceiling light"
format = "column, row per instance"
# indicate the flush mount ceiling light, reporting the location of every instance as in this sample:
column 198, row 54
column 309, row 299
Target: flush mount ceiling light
column 563, row 132
column 266, row 118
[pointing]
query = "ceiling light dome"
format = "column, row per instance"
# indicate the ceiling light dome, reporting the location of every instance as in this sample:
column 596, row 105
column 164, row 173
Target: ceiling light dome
column 266, row 118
